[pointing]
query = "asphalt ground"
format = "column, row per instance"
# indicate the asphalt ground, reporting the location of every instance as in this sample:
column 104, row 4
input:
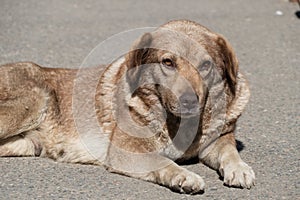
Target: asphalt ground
column 266, row 37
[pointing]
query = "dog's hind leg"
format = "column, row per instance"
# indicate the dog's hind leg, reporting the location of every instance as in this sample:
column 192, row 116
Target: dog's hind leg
column 20, row 145
column 23, row 106
column 22, row 113
column 19, row 118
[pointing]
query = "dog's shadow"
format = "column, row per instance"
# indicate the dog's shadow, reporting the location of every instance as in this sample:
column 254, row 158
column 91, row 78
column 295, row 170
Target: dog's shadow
column 239, row 146
column 297, row 13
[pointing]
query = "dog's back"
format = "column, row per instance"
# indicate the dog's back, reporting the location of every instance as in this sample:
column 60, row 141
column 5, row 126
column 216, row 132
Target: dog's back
column 36, row 117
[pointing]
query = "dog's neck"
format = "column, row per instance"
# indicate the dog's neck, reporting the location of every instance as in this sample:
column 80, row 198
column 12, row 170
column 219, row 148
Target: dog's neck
column 117, row 107
column 146, row 110
column 181, row 132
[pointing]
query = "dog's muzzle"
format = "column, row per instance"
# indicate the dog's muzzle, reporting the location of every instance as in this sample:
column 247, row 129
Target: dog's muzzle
column 189, row 104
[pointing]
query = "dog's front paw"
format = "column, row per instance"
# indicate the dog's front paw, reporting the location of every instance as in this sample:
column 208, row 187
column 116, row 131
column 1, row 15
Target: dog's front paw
column 187, row 182
column 238, row 174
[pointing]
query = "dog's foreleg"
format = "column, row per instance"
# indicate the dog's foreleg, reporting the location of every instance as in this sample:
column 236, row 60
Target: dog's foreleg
column 161, row 171
column 225, row 158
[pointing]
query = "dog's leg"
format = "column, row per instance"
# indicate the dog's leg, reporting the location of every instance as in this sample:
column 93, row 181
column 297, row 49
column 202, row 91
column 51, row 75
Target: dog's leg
column 22, row 109
column 178, row 178
column 20, row 145
column 158, row 170
column 22, row 112
column 18, row 118
column 23, row 98
column 225, row 158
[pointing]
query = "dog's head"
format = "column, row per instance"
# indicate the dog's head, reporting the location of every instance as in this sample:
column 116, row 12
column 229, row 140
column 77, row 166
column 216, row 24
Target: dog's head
column 179, row 63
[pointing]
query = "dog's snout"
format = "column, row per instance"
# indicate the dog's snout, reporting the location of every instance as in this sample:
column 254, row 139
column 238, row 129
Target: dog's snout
column 189, row 100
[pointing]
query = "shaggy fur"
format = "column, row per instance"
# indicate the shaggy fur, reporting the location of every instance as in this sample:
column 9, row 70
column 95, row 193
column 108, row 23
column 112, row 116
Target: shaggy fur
column 176, row 95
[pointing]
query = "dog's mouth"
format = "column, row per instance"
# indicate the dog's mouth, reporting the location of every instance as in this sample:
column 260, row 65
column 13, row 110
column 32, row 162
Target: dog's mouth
column 186, row 112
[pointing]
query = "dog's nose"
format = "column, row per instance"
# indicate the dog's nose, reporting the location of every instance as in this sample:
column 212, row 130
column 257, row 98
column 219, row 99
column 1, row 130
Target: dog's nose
column 189, row 100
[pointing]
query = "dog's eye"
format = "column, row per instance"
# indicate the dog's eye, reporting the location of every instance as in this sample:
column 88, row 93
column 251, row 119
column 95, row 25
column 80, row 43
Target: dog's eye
column 206, row 65
column 168, row 62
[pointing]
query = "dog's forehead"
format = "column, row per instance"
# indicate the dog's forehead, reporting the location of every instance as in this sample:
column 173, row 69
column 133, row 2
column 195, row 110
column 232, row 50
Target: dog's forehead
column 179, row 44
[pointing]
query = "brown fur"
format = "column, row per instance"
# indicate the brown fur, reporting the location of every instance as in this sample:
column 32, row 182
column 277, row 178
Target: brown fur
column 176, row 95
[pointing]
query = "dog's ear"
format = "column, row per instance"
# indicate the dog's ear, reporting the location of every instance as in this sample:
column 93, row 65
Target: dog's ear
column 136, row 57
column 139, row 51
column 230, row 63
column 238, row 103
column 237, row 85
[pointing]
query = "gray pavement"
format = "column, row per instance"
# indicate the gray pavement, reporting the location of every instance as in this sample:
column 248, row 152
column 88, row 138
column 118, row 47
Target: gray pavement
column 62, row 33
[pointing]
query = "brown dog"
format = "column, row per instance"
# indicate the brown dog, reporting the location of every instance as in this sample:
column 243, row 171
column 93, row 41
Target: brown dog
column 176, row 95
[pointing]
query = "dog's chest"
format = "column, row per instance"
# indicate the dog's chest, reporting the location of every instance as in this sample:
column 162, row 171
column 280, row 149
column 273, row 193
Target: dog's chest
column 180, row 146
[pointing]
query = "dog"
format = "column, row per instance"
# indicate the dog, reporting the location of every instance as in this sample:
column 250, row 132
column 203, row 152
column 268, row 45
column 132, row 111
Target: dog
column 176, row 95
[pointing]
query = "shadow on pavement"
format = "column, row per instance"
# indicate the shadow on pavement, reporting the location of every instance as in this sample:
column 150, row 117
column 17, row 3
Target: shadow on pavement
column 239, row 145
